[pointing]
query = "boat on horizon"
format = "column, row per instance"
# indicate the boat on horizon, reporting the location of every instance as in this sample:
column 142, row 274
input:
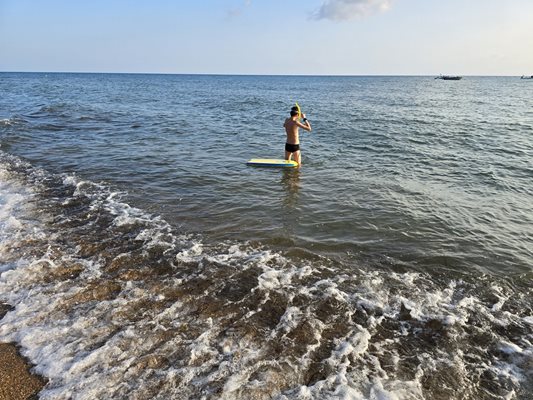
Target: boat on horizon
column 449, row 77
column 526, row 77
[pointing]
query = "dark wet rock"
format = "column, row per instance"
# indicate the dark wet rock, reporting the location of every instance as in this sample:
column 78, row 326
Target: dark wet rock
column 435, row 325
column 209, row 306
column 276, row 377
column 90, row 249
column 4, row 309
column 133, row 275
column 443, row 384
column 173, row 294
column 152, row 361
column 161, row 269
column 405, row 313
column 63, row 272
column 317, row 371
column 300, row 300
column 512, row 329
column 125, row 261
column 371, row 311
column 388, row 329
column 359, row 316
column 269, row 315
column 479, row 336
column 240, row 285
column 490, row 382
column 329, row 308
column 197, row 286
column 302, row 337
column 99, row 291
column 136, row 310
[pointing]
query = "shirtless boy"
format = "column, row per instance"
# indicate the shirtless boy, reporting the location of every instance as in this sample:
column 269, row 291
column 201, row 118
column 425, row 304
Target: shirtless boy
column 291, row 126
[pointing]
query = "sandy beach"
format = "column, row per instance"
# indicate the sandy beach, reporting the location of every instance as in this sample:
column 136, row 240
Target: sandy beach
column 16, row 380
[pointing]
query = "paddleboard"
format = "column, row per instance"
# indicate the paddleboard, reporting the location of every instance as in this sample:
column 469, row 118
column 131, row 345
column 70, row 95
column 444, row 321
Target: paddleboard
column 268, row 162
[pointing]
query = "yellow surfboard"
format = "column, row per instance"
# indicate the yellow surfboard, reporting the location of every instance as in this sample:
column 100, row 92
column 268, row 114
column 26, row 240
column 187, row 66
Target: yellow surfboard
column 269, row 162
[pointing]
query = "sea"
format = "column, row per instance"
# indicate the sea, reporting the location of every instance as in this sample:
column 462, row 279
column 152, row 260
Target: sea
column 141, row 258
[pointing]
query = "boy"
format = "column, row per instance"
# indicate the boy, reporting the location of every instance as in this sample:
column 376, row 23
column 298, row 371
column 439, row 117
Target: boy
column 291, row 126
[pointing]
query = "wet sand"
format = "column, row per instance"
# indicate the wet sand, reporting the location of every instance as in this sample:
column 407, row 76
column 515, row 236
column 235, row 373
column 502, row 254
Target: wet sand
column 16, row 380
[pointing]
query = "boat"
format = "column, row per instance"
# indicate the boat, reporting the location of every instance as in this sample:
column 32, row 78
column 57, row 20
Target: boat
column 526, row 77
column 449, row 77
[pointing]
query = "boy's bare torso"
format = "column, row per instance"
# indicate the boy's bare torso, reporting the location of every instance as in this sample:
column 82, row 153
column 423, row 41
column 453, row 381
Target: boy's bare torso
column 292, row 131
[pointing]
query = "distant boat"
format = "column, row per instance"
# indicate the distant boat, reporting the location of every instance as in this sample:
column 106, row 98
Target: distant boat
column 449, row 77
column 526, row 77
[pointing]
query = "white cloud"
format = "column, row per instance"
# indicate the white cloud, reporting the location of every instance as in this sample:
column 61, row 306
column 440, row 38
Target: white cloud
column 237, row 11
column 344, row 10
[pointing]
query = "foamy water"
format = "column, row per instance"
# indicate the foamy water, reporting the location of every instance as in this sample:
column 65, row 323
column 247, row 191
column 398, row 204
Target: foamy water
column 110, row 302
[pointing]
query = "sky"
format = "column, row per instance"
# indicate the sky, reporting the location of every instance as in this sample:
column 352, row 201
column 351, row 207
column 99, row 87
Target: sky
column 302, row 37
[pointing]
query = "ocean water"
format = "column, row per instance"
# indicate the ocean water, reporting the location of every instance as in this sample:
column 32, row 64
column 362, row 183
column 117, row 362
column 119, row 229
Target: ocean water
column 141, row 258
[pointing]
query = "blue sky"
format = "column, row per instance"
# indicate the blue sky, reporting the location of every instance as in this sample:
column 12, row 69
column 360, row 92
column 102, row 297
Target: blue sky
column 349, row 37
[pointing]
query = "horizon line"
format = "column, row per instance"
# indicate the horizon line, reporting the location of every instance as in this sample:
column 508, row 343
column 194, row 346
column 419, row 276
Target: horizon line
column 246, row 74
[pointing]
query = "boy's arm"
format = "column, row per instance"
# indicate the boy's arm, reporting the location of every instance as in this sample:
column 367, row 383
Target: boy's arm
column 306, row 125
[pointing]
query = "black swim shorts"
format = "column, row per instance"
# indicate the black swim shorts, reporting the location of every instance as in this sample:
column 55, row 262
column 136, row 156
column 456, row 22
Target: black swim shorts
column 292, row 148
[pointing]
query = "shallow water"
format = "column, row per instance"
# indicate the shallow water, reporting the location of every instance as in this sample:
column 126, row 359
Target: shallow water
column 145, row 259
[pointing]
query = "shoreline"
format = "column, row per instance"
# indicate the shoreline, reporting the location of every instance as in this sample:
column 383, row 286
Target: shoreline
column 17, row 382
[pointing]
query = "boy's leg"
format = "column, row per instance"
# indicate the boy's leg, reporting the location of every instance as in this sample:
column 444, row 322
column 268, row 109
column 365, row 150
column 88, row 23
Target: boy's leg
column 298, row 157
column 287, row 155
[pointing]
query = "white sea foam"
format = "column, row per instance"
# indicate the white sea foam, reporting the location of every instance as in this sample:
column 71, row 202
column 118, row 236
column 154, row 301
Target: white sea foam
column 11, row 197
column 9, row 121
column 509, row 348
column 72, row 369
column 13, row 218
